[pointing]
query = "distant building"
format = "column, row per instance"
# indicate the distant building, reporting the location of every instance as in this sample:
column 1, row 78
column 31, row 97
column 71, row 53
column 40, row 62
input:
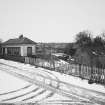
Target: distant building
column 21, row 46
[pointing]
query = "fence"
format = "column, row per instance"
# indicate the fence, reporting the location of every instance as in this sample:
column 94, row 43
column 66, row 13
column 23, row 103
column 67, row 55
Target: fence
column 86, row 72
column 14, row 58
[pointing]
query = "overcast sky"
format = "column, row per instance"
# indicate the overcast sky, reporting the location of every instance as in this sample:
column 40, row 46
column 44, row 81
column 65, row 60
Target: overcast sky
column 50, row 20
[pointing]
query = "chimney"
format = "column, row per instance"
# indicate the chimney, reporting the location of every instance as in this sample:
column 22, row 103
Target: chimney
column 21, row 36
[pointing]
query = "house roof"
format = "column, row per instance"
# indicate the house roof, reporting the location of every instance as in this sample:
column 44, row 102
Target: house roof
column 20, row 40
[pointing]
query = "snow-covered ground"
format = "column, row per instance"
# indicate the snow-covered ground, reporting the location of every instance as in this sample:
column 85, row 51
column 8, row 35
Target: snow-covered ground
column 79, row 82
column 23, row 91
column 13, row 89
column 10, row 83
column 63, row 77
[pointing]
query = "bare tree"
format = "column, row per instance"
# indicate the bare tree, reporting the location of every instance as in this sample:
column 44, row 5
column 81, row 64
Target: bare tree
column 84, row 38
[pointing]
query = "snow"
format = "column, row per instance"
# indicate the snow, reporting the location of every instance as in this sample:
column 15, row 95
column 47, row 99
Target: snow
column 57, row 97
column 79, row 82
column 6, row 79
column 42, row 93
column 62, row 77
column 2, row 97
column 38, row 98
column 58, row 54
column 13, row 89
column 94, row 53
column 27, row 97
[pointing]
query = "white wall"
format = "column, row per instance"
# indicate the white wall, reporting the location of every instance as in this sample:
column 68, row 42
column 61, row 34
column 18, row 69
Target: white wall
column 23, row 48
column 33, row 50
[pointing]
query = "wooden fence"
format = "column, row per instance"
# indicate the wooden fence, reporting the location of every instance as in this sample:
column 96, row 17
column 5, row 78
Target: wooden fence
column 86, row 72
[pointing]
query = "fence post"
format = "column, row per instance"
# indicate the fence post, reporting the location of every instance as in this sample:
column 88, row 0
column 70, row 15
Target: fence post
column 79, row 70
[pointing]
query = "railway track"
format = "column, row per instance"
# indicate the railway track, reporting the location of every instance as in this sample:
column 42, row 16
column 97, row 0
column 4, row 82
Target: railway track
column 53, row 85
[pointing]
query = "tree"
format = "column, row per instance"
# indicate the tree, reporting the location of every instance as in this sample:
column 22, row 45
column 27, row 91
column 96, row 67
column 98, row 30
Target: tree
column 83, row 39
column 69, row 49
column 103, row 35
column 98, row 41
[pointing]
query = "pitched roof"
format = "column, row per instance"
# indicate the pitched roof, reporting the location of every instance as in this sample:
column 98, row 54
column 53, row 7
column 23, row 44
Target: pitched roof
column 20, row 40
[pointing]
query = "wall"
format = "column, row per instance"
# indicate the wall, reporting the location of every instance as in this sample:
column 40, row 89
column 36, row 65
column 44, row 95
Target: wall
column 23, row 49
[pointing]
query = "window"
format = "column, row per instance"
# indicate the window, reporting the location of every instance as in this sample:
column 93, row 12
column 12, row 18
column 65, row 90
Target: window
column 13, row 51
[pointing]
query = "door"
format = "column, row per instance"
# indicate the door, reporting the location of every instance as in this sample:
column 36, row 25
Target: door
column 29, row 51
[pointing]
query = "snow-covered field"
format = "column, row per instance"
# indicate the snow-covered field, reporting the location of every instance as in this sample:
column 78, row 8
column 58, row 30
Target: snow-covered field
column 63, row 77
column 13, row 89
column 10, row 83
column 79, row 82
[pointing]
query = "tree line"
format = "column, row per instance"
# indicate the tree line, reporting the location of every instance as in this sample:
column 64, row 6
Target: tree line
column 85, row 40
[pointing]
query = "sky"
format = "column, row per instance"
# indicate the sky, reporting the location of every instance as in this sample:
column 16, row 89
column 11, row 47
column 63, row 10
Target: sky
column 50, row 20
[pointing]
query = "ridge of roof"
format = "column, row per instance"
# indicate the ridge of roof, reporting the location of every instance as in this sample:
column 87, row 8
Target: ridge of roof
column 23, row 40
